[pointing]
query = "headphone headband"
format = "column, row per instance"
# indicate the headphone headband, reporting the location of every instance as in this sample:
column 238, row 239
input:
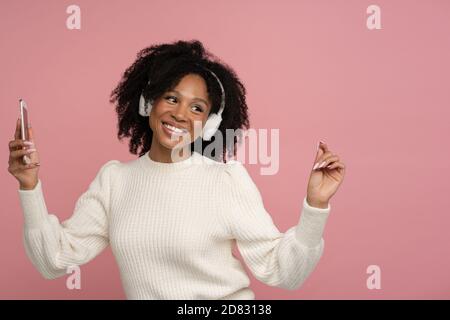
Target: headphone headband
column 222, row 103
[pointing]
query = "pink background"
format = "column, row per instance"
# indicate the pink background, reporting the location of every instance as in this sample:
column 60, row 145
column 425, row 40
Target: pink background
column 379, row 98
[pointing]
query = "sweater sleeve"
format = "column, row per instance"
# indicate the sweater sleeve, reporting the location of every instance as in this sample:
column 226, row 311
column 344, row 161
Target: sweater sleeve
column 53, row 246
column 278, row 259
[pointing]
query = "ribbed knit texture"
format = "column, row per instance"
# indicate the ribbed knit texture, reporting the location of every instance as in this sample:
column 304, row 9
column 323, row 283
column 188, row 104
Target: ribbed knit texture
column 171, row 227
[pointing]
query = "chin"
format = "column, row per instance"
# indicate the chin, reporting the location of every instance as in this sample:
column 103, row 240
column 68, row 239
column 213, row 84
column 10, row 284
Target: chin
column 166, row 142
column 172, row 146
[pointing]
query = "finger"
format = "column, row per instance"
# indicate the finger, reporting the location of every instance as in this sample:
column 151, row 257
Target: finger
column 335, row 165
column 326, row 161
column 31, row 165
column 20, row 153
column 319, row 152
column 34, row 156
column 17, row 132
column 320, row 159
column 30, row 134
column 18, row 144
column 19, row 166
column 323, row 146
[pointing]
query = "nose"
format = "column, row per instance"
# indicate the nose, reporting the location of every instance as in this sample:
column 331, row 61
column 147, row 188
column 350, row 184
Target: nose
column 179, row 113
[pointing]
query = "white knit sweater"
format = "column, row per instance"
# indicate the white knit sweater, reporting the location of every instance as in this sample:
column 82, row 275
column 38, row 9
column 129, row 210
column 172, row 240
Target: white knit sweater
column 171, row 227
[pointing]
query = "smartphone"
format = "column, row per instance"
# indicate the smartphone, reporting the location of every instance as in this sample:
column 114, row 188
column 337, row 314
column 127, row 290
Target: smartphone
column 24, row 126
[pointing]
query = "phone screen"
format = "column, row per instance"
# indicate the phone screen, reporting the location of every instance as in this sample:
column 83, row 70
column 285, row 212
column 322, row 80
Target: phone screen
column 23, row 120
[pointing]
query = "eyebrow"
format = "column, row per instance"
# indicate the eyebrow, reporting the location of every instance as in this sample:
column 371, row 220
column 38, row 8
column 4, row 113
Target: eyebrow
column 196, row 98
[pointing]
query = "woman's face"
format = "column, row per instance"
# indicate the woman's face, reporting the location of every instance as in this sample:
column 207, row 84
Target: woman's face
column 183, row 108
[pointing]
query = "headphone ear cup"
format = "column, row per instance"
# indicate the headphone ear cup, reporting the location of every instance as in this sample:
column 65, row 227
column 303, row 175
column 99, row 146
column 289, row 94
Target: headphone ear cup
column 144, row 107
column 211, row 126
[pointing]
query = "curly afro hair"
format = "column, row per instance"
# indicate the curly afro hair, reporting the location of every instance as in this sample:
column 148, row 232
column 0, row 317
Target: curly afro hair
column 165, row 65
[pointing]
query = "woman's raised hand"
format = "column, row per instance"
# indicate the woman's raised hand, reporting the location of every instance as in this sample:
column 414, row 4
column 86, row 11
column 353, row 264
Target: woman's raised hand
column 326, row 176
column 26, row 174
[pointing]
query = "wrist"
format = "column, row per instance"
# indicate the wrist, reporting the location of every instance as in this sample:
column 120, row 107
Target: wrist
column 27, row 186
column 317, row 203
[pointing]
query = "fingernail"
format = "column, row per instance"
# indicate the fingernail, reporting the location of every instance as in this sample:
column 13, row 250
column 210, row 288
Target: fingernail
column 322, row 164
column 31, row 150
column 315, row 166
column 323, row 142
column 28, row 143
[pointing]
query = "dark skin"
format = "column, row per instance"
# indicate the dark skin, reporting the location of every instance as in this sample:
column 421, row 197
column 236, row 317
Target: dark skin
column 26, row 174
column 184, row 108
column 326, row 176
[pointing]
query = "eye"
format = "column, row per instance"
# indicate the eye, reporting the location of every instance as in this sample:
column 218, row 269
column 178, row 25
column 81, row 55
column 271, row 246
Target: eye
column 200, row 109
column 170, row 97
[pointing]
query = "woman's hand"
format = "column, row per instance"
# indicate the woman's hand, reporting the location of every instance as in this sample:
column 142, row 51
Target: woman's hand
column 326, row 176
column 26, row 174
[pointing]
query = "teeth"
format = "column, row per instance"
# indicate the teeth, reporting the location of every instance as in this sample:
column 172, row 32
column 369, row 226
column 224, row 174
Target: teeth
column 175, row 129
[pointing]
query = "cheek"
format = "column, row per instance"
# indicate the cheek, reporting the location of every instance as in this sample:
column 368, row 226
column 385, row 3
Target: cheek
column 151, row 123
column 153, row 119
column 197, row 126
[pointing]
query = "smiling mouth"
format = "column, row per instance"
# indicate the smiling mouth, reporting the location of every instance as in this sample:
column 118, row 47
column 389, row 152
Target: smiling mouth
column 173, row 129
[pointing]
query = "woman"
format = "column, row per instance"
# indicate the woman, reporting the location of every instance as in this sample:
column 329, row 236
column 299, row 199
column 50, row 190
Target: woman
column 172, row 215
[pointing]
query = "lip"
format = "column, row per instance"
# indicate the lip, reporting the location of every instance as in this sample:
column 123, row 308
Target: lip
column 170, row 132
column 173, row 124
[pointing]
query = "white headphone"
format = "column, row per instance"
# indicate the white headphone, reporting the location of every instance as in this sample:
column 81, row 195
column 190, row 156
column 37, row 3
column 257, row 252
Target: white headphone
column 214, row 119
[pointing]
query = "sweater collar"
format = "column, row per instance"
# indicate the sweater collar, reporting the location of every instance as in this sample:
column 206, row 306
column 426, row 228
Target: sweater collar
column 169, row 166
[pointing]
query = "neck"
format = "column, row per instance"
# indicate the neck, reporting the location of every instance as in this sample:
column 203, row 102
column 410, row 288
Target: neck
column 160, row 153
